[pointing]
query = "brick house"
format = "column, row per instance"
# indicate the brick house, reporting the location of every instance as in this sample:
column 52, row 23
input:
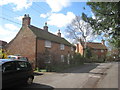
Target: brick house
column 2, row 44
column 97, row 49
column 38, row 44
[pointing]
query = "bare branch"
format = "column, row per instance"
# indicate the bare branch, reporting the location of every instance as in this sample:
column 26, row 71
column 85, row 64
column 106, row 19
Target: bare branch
column 79, row 29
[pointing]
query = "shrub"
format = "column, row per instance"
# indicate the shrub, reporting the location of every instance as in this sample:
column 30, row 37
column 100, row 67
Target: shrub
column 78, row 58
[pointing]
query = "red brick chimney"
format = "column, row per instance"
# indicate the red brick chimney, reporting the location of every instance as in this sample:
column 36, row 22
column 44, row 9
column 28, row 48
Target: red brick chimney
column 45, row 27
column 59, row 34
column 26, row 20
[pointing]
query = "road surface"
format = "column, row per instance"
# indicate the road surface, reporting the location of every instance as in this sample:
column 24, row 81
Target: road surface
column 95, row 75
column 111, row 79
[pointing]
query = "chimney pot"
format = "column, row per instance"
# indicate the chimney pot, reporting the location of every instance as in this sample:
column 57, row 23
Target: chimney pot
column 59, row 34
column 103, row 42
column 45, row 27
column 26, row 20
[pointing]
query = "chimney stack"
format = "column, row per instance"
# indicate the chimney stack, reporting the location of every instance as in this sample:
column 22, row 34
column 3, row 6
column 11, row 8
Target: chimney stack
column 103, row 42
column 26, row 20
column 45, row 27
column 59, row 34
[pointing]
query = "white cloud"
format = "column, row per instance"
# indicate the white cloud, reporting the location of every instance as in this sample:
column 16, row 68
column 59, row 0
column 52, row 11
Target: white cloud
column 45, row 15
column 8, row 32
column 60, row 20
column 57, row 5
column 19, row 4
column 11, row 27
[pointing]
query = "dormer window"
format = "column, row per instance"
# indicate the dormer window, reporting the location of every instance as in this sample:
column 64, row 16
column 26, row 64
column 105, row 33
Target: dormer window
column 48, row 44
column 62, row 46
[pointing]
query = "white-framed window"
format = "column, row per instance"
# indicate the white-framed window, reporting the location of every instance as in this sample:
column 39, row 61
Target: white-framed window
column 102, row 50
column 72, row 56
column 62, row 58
column 48, row 44
column 72, row 49
column 62, row 46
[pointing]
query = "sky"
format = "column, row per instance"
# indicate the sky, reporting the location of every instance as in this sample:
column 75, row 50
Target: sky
column 57, row 13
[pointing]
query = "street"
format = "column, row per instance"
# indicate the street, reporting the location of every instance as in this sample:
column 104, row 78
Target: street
column 94, row 75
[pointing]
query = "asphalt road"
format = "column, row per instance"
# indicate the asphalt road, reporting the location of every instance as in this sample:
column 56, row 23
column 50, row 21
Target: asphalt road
column 96, row 75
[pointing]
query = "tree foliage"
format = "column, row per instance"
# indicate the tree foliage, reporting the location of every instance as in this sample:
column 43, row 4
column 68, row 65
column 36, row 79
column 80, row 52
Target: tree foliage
column 3, row 54
column 106, row 19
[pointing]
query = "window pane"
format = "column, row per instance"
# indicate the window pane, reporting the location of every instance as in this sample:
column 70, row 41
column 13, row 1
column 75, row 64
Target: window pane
column 21, row 65
column 62, row 47
column 62, row 58
column 10, row 66
column 48, row 44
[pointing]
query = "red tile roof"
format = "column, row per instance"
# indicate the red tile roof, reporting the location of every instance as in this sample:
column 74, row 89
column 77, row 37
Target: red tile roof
column 94, row 45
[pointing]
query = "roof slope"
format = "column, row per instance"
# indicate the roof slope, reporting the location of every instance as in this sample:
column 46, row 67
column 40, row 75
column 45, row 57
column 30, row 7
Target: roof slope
column 94, row 45
column 41, row 34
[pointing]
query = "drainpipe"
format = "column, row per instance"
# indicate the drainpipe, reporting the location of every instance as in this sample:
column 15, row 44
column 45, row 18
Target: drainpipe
column 36, row 62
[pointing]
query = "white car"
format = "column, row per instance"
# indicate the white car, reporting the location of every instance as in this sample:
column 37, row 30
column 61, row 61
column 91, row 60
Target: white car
column 17, row 57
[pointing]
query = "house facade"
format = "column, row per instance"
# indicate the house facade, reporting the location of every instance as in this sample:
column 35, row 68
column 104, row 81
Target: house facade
column 39, row 45
column 96, row 49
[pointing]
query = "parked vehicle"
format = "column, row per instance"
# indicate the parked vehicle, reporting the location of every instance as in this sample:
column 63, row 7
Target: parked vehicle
column 16, row 57
column 15, row 72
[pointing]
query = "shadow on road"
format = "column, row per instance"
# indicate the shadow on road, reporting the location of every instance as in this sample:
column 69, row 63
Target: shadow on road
column 37, row 85
column 37, row 74
column 34, row 86
column 86, row 68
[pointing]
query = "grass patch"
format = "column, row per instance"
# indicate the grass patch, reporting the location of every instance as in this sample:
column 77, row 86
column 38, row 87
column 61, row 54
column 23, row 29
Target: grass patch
column 40, row 70
column 43, row 70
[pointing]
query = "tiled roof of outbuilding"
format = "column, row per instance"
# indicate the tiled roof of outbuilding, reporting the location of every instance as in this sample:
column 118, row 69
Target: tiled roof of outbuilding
column 94, row 45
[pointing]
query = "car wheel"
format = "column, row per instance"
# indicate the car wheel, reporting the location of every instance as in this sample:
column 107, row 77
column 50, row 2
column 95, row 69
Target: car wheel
column 29, row 80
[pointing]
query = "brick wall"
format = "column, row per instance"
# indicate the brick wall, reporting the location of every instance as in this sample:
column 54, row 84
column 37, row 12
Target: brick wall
column 54, row 52
column 79, row 49
column 99, row 53
column 23, row 44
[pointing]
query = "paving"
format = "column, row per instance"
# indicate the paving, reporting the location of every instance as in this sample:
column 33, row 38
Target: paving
column 111, row 79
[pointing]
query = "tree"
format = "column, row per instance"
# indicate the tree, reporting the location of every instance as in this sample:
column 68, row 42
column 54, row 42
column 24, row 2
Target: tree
column 3, row 54
column 88, row 53
column 80, row 30
column 106, row 17
column 106, row 21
